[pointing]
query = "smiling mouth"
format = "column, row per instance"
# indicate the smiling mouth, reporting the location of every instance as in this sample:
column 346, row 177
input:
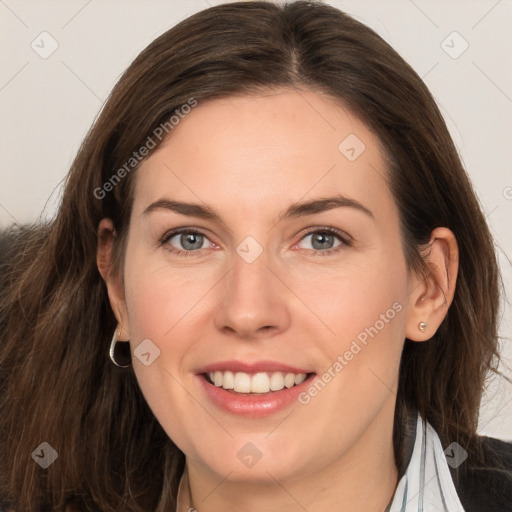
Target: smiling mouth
column 260, row 383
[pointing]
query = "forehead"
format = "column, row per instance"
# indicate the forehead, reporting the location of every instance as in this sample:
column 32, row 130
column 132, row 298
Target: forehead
column 263, row 152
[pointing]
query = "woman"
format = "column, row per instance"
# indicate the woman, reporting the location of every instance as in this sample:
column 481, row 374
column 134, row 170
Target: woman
column 271, row 215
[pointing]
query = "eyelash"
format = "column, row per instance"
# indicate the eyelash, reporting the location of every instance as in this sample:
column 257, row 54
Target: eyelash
column 343, row 237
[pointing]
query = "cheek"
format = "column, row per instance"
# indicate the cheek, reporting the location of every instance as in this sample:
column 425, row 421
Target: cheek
column 159, row 299
column 356, row 297
column 363, row 306
column 364, row 310
column 159, row 309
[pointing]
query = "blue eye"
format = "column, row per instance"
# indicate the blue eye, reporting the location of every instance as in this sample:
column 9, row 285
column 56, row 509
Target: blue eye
column 322, row 241
column 190, row 242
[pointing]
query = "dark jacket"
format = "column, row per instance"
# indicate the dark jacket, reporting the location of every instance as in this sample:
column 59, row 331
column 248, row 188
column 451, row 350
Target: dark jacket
column 481, row 488
column 489, row 488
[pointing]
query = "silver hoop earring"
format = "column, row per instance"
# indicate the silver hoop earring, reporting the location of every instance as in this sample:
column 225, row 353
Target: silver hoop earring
column 422, row 326
column 125, row 360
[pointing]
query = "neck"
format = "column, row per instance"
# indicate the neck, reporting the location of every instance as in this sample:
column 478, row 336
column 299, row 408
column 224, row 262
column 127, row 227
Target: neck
column 363, row 479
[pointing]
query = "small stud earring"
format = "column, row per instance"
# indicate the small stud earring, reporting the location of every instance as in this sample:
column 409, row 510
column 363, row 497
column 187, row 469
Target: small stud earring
column 421, row 326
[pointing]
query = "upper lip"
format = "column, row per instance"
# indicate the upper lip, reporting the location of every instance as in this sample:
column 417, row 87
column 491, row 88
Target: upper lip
column 251, row 367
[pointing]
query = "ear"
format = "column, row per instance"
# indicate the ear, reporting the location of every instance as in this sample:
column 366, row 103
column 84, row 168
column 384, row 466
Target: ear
column 430, row 297
column 113, row 280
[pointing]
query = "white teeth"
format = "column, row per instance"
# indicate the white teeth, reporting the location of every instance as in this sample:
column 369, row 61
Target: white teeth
column 242, row 383
column 300, row 378
column 289, row 380
column 276, row 381
column 228, row 380
column 262, row 382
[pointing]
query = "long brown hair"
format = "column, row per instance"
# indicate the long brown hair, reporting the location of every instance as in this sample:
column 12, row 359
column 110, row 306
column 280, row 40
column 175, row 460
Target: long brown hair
column 57, row 384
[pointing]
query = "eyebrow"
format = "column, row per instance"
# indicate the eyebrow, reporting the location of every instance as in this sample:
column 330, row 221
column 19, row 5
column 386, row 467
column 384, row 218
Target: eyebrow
column 296, row 210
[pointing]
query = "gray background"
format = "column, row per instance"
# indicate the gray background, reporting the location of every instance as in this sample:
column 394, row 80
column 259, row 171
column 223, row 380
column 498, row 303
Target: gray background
column 48, row 104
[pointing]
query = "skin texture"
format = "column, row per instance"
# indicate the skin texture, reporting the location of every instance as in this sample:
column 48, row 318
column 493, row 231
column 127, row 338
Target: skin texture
column 249, row 158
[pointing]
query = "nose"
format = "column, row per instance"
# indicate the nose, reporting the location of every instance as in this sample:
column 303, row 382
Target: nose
column 253, row 300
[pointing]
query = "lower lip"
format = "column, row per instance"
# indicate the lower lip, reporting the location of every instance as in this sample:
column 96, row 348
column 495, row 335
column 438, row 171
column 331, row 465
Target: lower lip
column 253, row 405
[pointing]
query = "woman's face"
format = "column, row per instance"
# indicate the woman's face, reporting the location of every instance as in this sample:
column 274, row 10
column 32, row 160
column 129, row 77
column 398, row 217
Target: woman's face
column 271, row 277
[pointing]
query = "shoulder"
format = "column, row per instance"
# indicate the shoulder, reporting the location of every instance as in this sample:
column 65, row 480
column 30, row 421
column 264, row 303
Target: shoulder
column 487, row 487
column 502, row 449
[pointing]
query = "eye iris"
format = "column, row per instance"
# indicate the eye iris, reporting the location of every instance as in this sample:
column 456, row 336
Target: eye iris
column 194, row 239
column 322, row 238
